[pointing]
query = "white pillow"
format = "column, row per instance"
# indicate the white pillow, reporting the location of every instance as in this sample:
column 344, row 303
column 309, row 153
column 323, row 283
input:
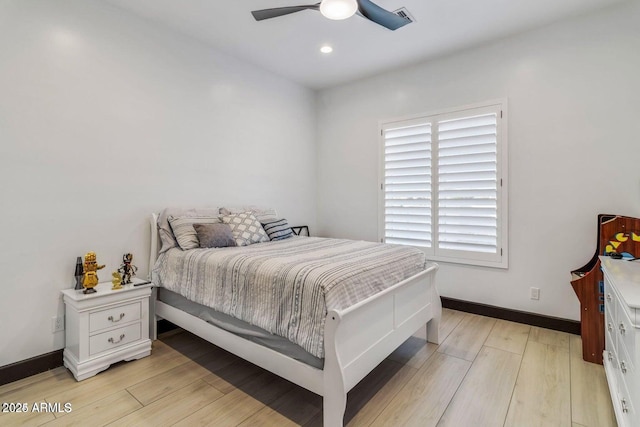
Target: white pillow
column 261, row 214
column 246, row 229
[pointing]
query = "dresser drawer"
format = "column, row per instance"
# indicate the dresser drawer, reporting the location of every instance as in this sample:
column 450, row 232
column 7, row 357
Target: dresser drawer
column 626, row 333
column 610, row 355
column 625, row 405
column 628, row 370
column 114, row 316
column 610, row 302
column 610, row 323
column 115, row 338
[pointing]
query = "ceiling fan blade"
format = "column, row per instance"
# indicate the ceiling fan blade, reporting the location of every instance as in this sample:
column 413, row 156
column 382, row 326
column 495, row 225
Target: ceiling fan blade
column 259, row 15
column 380, row 16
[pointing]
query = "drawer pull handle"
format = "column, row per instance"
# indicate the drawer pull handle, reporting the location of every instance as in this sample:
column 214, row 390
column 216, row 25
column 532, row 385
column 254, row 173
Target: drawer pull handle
column 609, row 297
column 609, row 326
column 111, row 340
column 610, row 356
column 623, row 367
column 111, row 319
column 624, row 406
column 622, row 329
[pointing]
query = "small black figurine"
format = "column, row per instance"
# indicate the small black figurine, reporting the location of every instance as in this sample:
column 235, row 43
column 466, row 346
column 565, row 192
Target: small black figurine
column 127, row 269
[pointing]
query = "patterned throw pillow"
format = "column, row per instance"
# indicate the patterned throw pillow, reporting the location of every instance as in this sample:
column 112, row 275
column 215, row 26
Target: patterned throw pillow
column 185, row 233
column 277, row 229
column 246, row 228
column 214, row 235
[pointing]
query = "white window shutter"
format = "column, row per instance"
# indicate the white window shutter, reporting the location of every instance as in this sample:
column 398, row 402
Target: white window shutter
column 443, row 185
column 407, row 184
column 467, row 196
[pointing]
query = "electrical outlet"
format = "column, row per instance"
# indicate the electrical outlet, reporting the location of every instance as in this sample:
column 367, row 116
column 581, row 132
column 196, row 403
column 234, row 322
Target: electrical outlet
column 57, row 324
column 535, row 293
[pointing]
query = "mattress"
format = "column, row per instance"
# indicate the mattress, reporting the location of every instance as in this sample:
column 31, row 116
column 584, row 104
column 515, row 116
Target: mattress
column 287, row 287
column 240, row 328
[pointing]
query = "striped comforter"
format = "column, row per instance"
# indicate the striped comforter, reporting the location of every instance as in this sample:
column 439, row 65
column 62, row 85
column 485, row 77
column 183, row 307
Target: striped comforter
column 286, row 287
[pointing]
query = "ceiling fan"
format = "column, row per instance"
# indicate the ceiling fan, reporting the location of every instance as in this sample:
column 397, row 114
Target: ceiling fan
column 340, row 9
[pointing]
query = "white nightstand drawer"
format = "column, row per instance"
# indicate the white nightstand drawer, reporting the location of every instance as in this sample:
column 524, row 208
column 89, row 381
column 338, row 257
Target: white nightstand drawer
column 115, row 338
column 114, row 316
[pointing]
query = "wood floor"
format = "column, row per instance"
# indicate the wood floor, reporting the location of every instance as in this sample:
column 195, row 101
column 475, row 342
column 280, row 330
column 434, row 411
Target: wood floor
column 486, row 372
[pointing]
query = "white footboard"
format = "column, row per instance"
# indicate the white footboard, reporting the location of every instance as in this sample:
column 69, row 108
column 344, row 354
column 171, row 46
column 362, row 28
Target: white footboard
column 358, row 338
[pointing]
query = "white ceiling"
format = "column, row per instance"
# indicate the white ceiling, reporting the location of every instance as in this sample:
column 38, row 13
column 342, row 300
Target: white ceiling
column 289, row 45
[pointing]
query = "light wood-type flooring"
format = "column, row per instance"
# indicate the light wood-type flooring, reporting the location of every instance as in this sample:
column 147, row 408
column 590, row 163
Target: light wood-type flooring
column 486, row 372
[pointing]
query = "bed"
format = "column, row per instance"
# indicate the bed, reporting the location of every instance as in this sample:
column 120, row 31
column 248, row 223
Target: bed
column 355, row 333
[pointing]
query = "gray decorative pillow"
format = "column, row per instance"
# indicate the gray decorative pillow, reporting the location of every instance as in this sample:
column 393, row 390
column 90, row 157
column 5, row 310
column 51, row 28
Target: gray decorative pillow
column 214, row 235
column 277, row 229
column 185, row 233
column 246, row 228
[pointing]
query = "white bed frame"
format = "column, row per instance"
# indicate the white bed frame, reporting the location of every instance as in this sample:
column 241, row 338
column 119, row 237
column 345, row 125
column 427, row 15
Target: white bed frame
column 356, row 339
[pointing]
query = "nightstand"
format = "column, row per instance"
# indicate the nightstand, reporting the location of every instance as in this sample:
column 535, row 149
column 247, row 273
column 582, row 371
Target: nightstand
column 105, row 327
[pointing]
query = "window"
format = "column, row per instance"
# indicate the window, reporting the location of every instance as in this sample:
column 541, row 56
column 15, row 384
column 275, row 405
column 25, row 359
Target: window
column 443, row 184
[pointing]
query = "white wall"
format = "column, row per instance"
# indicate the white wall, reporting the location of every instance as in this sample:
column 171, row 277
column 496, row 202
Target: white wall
column 573, row 91
column 105, row 118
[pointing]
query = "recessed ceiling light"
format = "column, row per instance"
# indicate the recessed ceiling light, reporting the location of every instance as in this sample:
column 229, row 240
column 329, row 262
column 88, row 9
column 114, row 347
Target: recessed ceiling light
column 326, row 49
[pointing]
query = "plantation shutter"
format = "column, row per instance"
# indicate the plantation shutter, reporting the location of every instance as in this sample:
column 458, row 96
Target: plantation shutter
column 407, row 184
column 443, row 187
column 468, row 184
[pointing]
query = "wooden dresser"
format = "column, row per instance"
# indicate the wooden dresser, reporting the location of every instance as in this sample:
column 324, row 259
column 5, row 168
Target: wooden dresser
column 622, row 337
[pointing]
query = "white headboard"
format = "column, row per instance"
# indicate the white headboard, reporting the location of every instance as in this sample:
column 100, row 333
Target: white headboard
column 153, row 253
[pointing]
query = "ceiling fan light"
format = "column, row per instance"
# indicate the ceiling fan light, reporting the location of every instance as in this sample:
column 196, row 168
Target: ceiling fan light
column 338, row 9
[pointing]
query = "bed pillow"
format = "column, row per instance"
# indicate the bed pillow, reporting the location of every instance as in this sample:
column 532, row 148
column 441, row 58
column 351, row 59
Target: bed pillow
column 214, row 235
column 167, row 238
column 261, row 214
column 277, row 229
column 246, row 229
column 185, row 233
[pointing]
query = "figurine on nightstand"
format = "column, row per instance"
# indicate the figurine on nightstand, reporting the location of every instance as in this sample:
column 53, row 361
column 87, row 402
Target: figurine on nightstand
column 127, row 269
column 90, row 277
column 117, row 281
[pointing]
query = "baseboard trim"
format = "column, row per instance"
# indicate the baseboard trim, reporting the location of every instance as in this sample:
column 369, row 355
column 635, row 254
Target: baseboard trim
column 25, row 368
column 45, row 362
column 533, row 319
